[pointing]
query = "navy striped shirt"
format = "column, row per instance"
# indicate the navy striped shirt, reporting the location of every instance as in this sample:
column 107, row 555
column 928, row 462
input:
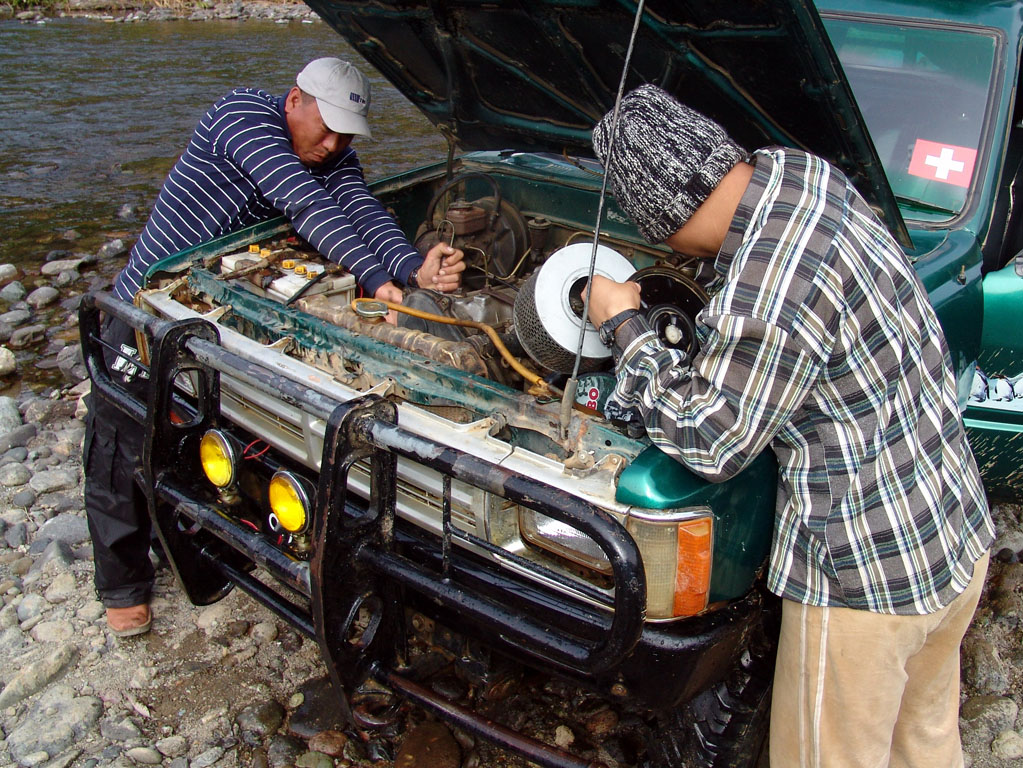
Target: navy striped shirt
column 823, row 345
column 240, row 169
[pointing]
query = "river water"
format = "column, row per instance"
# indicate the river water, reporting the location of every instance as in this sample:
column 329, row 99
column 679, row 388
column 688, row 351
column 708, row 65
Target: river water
column 96, row 113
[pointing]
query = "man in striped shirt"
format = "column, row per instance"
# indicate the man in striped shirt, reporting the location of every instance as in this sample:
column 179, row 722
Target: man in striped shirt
column 252, row 156
column 821, row 345
column 255, row 155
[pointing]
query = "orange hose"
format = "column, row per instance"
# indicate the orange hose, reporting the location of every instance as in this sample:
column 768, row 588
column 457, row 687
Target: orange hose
column 518, row 367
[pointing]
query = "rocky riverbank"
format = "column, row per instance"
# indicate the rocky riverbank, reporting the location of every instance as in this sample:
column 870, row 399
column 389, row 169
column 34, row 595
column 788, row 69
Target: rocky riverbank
column 229, row 684
column 281, row 11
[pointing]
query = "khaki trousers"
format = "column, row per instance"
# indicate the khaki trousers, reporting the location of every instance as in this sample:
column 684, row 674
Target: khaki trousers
column 855, row 689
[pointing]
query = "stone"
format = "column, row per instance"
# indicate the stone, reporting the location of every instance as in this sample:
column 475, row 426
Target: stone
column 207, row 758
column 72, row 365
column 54, row 722
column 262, row 718
column 16, row 535
column 264, row 632
column 31, row 606
column 1011, row 538
column 1005, row 596
column 144, row 756
column 429, row 745
column 53, row 631
column 120, row 729
column 42, row 296
column 55, row 267
column 63, row 587
column 24, row 498
column 56, row 556
column 17, row 438
column 315, row 760
column 218, row 613
column 91, row 611
column 13, row 292
column 563, row 737
column 52, row 480
column 12, row 639
column 65, row 278
column 283, row 751
column 18, row 454
column 172, row 746
column 27, row 336
column 14, row 475
column 7, row 272
column 16, row 317
column 8, row 362
column 67, row 527
column 329, row 742
column 981, row 718
column 112, row 248
column 10, row 416
column 38, row 410
column 37, row 675
column 1008, row 745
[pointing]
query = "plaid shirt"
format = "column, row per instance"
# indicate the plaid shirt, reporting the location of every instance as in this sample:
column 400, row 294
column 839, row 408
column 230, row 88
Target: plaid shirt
column 822, row 344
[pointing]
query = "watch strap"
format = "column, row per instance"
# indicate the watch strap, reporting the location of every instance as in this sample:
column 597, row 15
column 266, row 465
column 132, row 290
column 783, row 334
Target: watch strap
column 607, row 329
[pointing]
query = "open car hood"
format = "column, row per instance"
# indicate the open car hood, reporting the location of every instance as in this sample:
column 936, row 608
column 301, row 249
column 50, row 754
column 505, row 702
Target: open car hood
column 537, row 74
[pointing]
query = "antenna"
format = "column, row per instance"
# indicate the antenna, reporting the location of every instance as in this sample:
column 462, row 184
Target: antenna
column 568, row 399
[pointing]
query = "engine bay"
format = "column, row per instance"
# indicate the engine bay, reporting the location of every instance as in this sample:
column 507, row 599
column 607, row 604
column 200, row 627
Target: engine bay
column 517, row 319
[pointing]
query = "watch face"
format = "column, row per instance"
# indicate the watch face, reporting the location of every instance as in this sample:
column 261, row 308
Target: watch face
column 608, row 327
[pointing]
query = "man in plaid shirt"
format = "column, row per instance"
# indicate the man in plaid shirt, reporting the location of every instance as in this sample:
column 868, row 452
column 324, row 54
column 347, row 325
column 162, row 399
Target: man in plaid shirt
column 821, row 345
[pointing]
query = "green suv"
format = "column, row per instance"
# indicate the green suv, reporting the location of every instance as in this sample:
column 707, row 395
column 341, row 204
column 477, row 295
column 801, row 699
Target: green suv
column 427, row 491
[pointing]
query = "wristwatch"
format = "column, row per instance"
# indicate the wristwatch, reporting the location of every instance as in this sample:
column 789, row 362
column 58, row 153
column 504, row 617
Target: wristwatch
column 607, row 329
column 413, row 278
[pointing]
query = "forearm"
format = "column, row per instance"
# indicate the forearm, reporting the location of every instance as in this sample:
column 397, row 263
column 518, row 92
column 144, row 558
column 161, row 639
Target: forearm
column 718, row 412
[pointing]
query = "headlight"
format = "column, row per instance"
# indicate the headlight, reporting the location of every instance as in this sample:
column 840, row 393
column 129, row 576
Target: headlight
column 676, row 547
column 217, row 457
column 289, row 502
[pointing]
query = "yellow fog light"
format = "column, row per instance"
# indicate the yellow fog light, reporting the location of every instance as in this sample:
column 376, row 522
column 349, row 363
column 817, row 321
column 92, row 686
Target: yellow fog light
column 289, row 502
column 217, row 457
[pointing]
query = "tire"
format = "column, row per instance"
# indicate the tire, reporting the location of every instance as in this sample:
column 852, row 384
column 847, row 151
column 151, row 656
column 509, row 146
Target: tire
column 724, row 726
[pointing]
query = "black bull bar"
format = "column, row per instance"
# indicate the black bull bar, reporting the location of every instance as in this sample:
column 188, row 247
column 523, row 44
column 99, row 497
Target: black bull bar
column 355, row 570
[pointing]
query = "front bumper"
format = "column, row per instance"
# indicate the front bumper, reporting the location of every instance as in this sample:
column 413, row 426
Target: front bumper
column 368, row 567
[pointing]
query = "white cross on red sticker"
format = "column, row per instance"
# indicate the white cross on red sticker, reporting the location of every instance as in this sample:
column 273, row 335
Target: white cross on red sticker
column 943, row 162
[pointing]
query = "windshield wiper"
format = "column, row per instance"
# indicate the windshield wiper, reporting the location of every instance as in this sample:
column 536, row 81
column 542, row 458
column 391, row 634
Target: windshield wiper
column 923, row 206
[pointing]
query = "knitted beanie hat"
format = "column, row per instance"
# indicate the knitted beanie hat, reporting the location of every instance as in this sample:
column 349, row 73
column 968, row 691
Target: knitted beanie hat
column 667, row 158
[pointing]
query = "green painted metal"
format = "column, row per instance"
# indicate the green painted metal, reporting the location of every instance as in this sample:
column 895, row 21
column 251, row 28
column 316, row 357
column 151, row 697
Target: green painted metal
column 996, row 435
column 1003, row 332
column 743, row 508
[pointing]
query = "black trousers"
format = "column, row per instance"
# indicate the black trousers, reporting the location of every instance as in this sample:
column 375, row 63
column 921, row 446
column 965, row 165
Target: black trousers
column 114, row 504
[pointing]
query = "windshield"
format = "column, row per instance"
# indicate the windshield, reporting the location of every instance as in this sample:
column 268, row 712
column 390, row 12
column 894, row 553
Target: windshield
column 923, row 92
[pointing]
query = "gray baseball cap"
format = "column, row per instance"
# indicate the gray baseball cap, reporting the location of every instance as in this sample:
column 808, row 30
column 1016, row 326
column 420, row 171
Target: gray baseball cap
column 342, row 94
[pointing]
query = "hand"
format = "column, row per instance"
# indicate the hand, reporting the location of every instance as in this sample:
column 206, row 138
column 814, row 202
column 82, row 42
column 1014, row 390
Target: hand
column 392, row 293
column 608, row 298
column 442, row 268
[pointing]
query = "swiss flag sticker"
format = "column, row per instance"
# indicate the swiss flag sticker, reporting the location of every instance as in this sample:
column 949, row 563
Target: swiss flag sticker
column 943, row 162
